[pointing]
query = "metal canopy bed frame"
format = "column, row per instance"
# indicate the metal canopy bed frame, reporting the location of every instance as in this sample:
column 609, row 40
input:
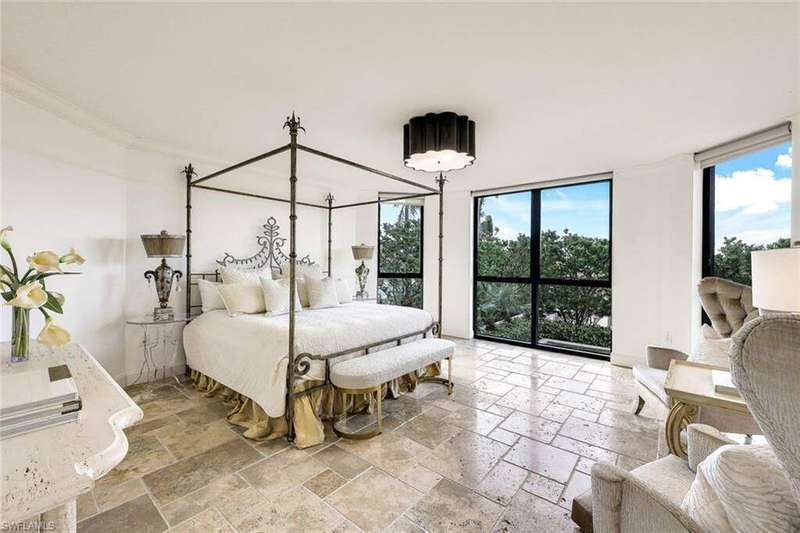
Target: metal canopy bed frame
column 300, row 363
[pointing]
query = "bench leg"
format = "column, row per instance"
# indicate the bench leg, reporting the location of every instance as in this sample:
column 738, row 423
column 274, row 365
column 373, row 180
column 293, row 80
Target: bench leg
column 446, row 382
column 379, row 424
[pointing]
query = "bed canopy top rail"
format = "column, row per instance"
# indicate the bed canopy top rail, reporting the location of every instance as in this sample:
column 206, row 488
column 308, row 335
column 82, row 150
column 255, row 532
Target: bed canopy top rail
column 297, row 364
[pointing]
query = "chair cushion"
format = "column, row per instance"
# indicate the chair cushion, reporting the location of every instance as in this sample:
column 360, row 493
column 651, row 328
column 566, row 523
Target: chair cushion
column 742, row 488
column 652, row 379
column 582, row 511
column 670, row 476
column 380, row 367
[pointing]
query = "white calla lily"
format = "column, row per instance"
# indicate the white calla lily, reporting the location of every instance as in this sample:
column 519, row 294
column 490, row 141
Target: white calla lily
column 3, row 237
column 46, row 261
column 53, row 335
column 29, row 296
column 72, row 258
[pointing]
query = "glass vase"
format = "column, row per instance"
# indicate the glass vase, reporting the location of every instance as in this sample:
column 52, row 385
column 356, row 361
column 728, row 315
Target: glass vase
column 20, row 340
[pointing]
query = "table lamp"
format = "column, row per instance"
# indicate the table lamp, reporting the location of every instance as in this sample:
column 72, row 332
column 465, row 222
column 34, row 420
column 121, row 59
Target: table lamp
column 776, row 280
column 362, row 252
column 163, row 245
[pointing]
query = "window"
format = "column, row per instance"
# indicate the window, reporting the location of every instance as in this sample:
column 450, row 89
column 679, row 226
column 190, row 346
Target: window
column 400, row 226
column 747, row 206
column 543, row 267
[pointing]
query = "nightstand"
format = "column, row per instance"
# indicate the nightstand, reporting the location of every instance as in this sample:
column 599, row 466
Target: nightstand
column 159, row 344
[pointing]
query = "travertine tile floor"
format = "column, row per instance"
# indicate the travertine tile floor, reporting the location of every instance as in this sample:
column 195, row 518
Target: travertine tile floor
column 507, row 453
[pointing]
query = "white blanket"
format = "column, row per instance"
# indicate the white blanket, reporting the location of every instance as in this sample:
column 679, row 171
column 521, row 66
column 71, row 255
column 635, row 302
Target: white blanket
column 249, row 353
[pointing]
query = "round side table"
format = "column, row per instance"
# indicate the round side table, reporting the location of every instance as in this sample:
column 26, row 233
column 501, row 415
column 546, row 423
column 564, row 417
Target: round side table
column 159, row 344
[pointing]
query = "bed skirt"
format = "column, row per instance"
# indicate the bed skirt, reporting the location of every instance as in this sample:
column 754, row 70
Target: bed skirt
column 309, row 410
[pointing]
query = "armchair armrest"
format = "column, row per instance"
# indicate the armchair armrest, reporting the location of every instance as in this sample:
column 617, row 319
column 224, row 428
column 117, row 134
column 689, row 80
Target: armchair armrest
column 659, row 356
column 703, row 440
column 607, row 481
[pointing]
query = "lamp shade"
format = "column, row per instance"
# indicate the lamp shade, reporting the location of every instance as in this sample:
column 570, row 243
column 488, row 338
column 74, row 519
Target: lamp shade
column 776, row 280
column 439, row 142
column 163, row 245
column 362, row 251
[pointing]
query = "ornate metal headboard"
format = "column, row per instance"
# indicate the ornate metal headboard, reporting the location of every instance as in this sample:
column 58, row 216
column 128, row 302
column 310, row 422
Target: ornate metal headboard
column 271, row 253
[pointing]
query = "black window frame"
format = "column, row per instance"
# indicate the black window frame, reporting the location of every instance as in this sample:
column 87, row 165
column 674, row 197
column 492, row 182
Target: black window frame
column 534, row 279
column 403, row 275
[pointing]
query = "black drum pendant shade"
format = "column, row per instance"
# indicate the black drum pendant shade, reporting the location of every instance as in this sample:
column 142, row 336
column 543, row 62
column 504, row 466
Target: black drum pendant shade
column 439, row 142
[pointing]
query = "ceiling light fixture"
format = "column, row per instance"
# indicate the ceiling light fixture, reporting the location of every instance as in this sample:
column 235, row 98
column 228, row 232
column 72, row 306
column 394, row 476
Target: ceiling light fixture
column 439, row 142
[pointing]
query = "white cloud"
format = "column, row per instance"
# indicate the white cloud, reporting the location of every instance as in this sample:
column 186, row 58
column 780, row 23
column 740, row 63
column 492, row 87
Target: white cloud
column 761, row 236
column 754, row 191
column 784, row 160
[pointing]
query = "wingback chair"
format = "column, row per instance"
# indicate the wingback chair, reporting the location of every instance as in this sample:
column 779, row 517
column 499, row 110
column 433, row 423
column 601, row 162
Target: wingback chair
column 765, row 363
column 729, row 305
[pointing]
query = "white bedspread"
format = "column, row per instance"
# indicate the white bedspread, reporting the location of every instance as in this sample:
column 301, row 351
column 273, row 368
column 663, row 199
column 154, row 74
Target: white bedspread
column 249, row 353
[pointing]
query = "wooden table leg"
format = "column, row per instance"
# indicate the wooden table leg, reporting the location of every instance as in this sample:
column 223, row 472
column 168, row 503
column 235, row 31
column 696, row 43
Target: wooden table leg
column 62, row 519
column 679, row 418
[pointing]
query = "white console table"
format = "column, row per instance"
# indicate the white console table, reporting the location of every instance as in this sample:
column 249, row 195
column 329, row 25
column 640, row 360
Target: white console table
column 44, row 472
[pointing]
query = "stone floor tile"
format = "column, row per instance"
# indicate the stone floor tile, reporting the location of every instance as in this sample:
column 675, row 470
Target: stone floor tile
column 585, row 465
column 585, row 415
column 502, row 482
column 403, row 525
column 214, row 494
column 421, row 478
column 474, row 420
column 204, row 413
column 109, row 496
column 465, row 458
column 391, row 452
column 567, row 384
column 579, row 401
column 531, row 381
column 526, row 400
column 559, row 369
column 543, row 487
column 586, row 450
column 236, row 507
column 209, row 521
column 629, row 421
column 198, row 438
column 506, row 437
column 139, row 514
column 179, row 479
column 270, row 447
column 528, row 513
column 578, row 484
column 273, row 479
column 299, row 511
column 633, row 443
column 373, row 500
column 586, row 377
column 343, row 463
column 556, row 412
column 428, row 430
column 491, row 386
column 543, row 459
column 86, row 506
column 450, row 507
column 324, row 483
column 533, row 427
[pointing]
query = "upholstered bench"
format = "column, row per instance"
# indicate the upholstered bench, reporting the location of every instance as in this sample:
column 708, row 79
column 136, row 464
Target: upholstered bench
column 367, row 374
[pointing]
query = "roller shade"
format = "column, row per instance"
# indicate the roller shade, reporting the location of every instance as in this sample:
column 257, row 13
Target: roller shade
column 743, row 145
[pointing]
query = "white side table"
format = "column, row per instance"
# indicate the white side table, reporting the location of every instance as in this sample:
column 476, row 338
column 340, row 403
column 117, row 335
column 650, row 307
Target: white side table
column 159, row 345
column 44, row 472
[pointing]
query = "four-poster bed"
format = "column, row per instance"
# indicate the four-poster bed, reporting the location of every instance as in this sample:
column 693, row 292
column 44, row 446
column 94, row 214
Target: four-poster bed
column 299, row 363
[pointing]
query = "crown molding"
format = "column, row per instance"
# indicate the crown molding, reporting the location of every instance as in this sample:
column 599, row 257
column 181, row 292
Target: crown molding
column 34, row 94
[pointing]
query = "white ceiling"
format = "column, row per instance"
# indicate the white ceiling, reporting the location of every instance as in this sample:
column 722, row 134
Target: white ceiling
column 556, row 89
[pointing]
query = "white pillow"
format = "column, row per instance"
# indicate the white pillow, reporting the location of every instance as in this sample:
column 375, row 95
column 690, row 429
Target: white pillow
column 242, row 298
column 321, row 293
column 742, row 488
column 238, row 275
column 302, row 270
column 209, row 295
column 343, row 293
column 276, row 296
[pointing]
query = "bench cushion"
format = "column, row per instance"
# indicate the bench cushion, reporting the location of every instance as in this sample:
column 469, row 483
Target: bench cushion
column 380, row 367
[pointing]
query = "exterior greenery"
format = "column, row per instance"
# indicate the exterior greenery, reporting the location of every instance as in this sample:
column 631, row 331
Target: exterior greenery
column 732, row 260
column 567, row 313
column 401, row 253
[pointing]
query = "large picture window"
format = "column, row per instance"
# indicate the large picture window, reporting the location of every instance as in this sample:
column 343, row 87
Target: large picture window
column 747, row 207
column 543, row 267
column 400, row 225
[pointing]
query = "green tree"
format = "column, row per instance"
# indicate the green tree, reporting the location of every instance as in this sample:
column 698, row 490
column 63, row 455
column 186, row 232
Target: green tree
column 732, row 260
column 400, row 253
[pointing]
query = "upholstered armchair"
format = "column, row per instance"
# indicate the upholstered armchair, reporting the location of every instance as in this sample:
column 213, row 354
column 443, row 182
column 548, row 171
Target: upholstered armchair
column 729, row 306
column 765, row 363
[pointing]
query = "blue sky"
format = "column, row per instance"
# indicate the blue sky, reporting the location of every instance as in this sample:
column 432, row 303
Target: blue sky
column 753, row 195
column 583, row 209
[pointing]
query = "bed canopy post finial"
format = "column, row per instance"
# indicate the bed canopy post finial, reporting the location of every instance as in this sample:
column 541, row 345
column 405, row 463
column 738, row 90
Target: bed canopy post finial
column 441, row 180
column 329, row 200
column 188, row 171
column 293, row 123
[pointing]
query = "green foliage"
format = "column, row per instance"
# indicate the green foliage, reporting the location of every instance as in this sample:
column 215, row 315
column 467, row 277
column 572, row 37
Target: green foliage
column 732, row 260
column 400, row 253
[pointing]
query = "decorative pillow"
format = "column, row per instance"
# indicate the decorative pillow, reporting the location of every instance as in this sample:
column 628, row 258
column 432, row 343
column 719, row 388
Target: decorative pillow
column 321, row 293
column 343, row 293
column 742, row 489
column 276, row 296
column 209, row 295
column 242, row 298
column 302, row 270
column 239, row 275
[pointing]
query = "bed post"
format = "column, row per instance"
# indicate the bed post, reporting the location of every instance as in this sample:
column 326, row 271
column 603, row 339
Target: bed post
column 294, row 126
column 441, row 181
column 329, row 200
column 188, row 171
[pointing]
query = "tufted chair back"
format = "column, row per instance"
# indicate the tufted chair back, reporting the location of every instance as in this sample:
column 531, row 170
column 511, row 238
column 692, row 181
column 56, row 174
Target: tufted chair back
column 765, row 364
column 728, row 304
